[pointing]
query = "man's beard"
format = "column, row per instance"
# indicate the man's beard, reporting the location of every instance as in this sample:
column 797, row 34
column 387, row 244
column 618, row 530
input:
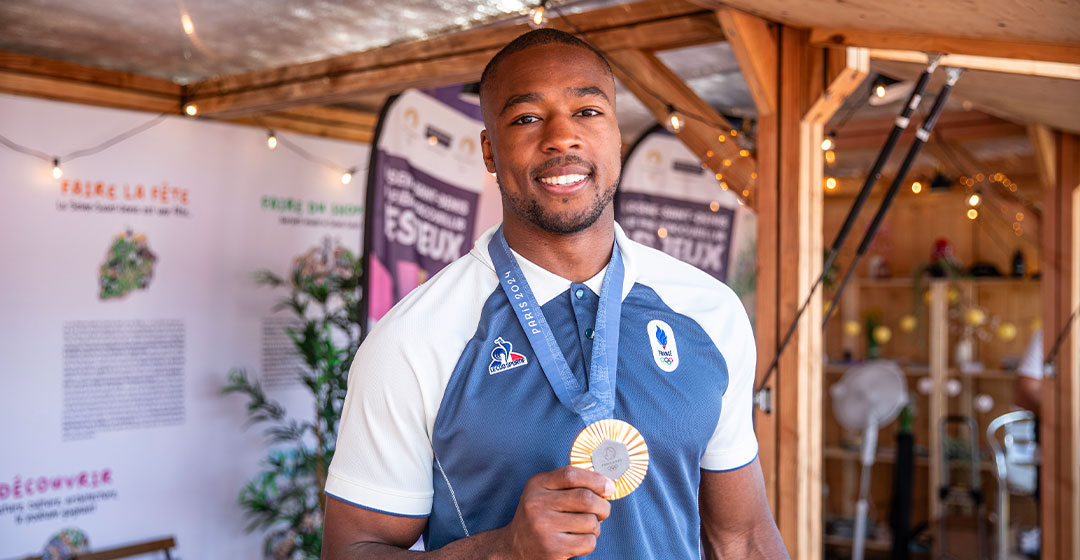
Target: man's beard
column 562, row 223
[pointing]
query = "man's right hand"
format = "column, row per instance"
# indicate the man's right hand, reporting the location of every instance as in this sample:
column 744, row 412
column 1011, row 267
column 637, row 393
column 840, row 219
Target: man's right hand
column 558, row 515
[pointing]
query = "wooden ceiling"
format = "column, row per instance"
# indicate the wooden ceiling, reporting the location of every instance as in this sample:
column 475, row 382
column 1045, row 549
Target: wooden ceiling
column 338, row 95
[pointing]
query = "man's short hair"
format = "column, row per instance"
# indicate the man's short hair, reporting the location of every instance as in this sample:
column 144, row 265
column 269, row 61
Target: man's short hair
column 536, row 38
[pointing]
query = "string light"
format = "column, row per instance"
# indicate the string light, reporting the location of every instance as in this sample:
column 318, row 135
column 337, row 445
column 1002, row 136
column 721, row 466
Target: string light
column 726, row 162
column 830, row 183
column 879, row 91
column 56, row 171
column 1019, row 216
column 539, row 15
column 744, row 153
column 974, row 200
column 916, row 187
column 829, row 142
column 674, row 120
column 346, row 177
column 185, row 22
column 708, row 153
column 722, row 138
column 723, row 185
column 972, row 213
column 191, row 109
column 271, row 140
column 734, row 133
column 830, row 157
column 719, row 176
column 662, row 232
column 714, row 206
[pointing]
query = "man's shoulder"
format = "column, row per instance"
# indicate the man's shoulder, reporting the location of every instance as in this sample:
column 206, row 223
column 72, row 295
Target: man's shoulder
column 680, row 284
column 454, row 295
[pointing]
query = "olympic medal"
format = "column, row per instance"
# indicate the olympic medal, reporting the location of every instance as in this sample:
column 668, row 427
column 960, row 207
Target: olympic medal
column 614, row 449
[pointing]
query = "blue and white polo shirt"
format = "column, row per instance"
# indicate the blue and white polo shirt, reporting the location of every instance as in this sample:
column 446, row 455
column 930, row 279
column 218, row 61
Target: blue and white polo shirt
column 448, row 412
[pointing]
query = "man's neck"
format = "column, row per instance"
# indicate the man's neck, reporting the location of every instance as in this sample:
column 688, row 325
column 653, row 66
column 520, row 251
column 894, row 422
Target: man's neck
column 576, row 256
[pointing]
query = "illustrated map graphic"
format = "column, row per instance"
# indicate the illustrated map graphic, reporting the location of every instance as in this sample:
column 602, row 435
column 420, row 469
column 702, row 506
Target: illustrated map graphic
column 129, row 266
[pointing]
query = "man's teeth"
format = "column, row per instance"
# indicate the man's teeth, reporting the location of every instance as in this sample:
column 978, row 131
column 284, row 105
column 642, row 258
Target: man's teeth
column 562, row 179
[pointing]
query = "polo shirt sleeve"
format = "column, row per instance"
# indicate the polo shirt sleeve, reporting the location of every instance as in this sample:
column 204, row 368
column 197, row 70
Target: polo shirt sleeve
column 383, row 460
column 734, row 444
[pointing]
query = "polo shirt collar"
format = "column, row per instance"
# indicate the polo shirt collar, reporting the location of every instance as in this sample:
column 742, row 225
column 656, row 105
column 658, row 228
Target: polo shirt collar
column 546, row 285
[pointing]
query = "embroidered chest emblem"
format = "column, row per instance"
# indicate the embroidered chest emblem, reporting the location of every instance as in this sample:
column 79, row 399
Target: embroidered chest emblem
column 664, row 350
column 503, row 357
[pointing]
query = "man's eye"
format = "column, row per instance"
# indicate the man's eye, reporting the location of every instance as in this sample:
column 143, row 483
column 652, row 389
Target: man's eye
column 590, row 113
column 525, row 119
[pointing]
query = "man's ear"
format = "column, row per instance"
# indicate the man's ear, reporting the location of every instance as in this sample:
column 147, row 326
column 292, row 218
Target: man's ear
column 485, row 147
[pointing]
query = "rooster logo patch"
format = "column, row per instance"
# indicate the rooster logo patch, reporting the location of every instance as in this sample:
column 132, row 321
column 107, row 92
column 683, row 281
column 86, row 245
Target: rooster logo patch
column 503, row 357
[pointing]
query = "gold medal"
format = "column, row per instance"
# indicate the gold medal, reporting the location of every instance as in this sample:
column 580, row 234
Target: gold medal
column 614, row 449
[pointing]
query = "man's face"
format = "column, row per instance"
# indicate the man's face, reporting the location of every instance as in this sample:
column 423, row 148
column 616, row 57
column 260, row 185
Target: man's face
column 552, row 138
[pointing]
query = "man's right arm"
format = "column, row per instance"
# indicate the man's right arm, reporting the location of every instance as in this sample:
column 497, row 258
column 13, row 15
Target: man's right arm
column 558, row 516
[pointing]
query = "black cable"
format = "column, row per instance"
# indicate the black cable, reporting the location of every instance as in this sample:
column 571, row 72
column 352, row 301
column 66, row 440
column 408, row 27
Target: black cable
column 115, row 139
column 921, row 137
column 88, row 151
column 872, row 177
column 1060, row 341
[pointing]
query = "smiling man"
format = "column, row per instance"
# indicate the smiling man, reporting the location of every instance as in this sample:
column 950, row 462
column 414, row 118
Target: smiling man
column 556, row 341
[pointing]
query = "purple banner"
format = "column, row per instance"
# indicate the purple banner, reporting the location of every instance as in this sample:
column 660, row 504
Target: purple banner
column 692, row 232
column 420, row 224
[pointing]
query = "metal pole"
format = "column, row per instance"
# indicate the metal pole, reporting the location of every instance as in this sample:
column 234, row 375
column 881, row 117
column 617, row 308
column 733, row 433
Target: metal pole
column 872, row 177
column 921, row 137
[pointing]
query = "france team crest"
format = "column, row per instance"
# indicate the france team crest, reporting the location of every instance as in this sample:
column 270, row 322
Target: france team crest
column 503, row 357
column 662, row 338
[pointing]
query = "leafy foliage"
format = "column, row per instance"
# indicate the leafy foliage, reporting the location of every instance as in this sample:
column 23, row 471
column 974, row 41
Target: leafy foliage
column 286, row 497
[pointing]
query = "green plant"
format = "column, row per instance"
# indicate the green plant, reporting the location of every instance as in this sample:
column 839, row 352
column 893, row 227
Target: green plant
column 286, row 497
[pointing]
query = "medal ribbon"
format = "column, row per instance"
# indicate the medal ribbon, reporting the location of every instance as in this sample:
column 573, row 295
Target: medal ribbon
column 598, row 402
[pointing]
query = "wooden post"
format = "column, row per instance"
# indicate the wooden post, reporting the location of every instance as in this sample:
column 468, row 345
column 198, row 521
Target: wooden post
column 1060, row 414
column 755, row 44
column 939, row 373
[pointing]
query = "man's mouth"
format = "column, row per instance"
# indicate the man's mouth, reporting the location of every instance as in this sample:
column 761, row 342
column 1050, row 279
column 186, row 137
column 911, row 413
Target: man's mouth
column 563, row 179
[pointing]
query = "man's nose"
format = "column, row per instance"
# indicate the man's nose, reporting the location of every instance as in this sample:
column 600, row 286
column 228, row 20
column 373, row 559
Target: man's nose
column 560, row 135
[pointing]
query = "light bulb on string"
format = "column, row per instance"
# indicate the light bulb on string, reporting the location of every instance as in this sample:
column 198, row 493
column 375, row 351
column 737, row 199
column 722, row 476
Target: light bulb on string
column 538, row 17
column 830, row 183
column 191, row 109
column 916, row 187
column 972, row 214
column 271, row 140
column 879, row 91
column 830, row 157
column 828, row 143
column 974, row 199
column 56, row 171
column 675, row 122
column 346, row 177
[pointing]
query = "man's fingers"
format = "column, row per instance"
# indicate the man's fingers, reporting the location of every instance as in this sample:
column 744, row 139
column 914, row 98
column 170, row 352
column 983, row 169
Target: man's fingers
column 575, row 523
column 573, row 477
column 580, row 500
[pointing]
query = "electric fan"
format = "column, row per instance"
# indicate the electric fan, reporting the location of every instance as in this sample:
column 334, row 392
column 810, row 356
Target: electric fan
column 869, row 395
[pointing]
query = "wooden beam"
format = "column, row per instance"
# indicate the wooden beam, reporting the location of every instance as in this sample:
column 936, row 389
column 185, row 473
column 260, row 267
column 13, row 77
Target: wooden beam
column 1043, row 69
column 62, row 81
column 655, row 85
column 332, row 115
column 1044, row 148
column 280, row 121
column 754, row 43
column 1026, row 50
column 953, row 125
column 1060, row 405
column 799, row 223
column 850, row 70
column 444, row 60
